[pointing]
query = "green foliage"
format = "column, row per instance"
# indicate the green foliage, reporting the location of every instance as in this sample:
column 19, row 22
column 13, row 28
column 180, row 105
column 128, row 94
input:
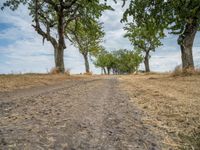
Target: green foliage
column 143, row 30
column 86, row 36
column 144, row 37
column 52, row 17
column 121, row 62
column 13, row 4
column 104, row 60
column 50, row 11
column 181, row 13
column 168, row 14
column 180, row 17
column 127, row 61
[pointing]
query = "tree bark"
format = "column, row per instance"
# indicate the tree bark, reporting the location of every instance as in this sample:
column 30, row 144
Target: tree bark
column 108, row 70
column 87, row 66
column 186, row 41
column 61, row 41
column 59, row 45
column 104, row 70
column 59, row 59
column 146, row 61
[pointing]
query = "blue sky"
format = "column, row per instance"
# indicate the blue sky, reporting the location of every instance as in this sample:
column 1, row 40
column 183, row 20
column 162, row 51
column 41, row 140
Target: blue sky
column 21, row 48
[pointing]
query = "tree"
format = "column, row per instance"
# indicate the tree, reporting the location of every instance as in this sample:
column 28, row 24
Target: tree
column 127, row 61
column 181, row 17
column 53, row 16
column 104, row 60
column 87, row 37
column 185, row 22
column 120, row 62
column 145, row 37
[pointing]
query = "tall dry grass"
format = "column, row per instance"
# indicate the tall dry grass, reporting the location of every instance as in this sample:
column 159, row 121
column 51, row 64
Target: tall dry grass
column 55, row 70
column 178, row 71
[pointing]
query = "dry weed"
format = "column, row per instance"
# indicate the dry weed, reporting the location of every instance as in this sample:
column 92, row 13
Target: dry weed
column 88, row 73
column 54, row 71
column 67, row 72
column 178, row 71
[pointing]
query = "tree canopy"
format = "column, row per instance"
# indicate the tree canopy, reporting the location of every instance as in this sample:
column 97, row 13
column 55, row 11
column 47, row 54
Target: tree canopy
column 86, row 36
column 120, row 62
column 52, row 17
column 179, row 17
column 142, row 31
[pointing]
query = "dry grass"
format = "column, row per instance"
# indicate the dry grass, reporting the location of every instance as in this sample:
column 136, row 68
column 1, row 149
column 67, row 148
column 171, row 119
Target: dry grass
column 172, row 105
column 186, row 72
column 67, row 72
column 55, row 70
column 13, row 82
column 88, row 73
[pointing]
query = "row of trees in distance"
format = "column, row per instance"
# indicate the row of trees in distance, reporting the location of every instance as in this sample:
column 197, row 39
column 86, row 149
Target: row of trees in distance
column 119, row 62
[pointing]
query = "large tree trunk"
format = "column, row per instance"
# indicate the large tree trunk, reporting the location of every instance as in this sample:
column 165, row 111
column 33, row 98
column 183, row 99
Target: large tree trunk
column 59, row 59
column 108, row 71
column 61, row 42
column 104, row 70
column 186, row 41
column 146, row 61
column 87, row 66
column 59, row 45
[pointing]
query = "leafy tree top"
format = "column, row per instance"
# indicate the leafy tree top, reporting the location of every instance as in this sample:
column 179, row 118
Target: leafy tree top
column 168, row 14
column 86, row 34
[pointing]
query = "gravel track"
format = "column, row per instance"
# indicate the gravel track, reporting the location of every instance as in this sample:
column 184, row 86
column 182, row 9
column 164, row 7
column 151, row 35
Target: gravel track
column 88, row 114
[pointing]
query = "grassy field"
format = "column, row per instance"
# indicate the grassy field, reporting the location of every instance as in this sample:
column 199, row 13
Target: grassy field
column 13, row 82
column 172, row 105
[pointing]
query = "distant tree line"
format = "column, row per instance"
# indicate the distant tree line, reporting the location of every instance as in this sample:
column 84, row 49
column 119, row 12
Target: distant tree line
column 118, row 62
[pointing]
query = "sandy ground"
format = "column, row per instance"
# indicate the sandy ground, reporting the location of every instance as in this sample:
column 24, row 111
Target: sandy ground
column 172, row 105
column 136, row 112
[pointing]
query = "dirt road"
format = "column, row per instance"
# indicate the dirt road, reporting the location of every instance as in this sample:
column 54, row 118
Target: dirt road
column 88, row 114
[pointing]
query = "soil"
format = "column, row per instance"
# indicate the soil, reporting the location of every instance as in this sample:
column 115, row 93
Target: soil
column 88, row 114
